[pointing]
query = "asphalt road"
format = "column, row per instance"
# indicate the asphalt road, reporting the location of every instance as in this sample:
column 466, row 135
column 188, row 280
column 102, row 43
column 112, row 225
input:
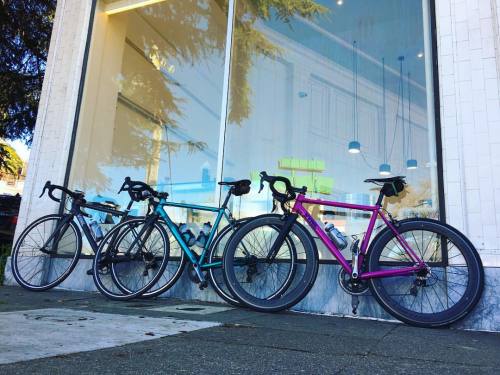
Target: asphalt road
column 247, row 342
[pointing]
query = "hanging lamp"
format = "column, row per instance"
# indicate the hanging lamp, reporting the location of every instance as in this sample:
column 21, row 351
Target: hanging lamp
column 354, row 146
column 411, row 163
column 384, row 168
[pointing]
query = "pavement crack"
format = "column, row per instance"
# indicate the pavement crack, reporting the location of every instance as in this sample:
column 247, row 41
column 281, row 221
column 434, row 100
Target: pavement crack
column 225, row 342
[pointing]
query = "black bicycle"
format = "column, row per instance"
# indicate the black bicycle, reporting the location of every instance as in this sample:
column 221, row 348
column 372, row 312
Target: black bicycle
column 48, row 250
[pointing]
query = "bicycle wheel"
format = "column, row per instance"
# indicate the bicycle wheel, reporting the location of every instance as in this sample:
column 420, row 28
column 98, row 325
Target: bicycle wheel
column 439, row 296
column 176, row 264
column 130, row 259
column 216, row 253
column 46, row 253
column 259, row 283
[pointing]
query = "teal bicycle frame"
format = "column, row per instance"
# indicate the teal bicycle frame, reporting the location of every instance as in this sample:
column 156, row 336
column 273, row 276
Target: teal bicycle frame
column 198, row 264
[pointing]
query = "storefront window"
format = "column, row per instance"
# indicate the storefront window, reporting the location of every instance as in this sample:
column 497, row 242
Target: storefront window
column 152, row 100
column 328, row 93
column 331, row 93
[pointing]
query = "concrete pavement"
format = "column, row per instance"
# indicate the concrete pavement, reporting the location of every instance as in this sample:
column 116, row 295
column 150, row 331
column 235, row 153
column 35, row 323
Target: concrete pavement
column 223, row 340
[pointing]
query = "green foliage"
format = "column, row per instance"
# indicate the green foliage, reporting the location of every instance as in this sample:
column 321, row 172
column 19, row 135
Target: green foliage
column 10, row 162
column 25, row 28
column 5, row 251
column 285, row 9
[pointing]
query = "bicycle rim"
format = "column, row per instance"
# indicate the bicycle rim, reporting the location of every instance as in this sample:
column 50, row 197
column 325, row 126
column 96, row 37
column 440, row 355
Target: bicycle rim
column 438, row 296
column 38, row 264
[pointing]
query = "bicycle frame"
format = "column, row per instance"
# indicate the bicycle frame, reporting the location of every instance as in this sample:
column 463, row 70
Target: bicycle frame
column 221, row 212
column 75, row 212
column 375, row 213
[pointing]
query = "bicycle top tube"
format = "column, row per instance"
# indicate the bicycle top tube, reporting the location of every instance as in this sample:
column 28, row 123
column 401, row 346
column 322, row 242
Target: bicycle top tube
column 164, row 202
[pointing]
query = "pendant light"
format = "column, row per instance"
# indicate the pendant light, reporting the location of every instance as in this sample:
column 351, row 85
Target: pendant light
column 384, row 168
column 411, row 163
column 354, row 146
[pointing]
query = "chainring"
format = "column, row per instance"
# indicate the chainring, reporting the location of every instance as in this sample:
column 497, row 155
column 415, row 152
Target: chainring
column 352, row 287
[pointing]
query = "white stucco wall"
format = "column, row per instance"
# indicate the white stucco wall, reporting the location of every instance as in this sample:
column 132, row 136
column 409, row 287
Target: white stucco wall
column 56, row 112
column 469, row 63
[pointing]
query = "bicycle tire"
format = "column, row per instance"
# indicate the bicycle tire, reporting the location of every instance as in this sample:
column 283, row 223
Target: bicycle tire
column 463, row 254
column 70, row 263
column 216, row 275
column 113, row 287
column 165, row 282
column 299, row 286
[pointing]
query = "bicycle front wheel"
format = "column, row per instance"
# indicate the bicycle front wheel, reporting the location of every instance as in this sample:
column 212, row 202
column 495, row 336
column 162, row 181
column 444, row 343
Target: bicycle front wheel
column 46, row 253
column 270, row 285
column 438, row 296
column 130, row 259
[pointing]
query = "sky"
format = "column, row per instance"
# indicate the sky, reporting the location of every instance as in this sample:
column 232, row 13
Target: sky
column 22, row 150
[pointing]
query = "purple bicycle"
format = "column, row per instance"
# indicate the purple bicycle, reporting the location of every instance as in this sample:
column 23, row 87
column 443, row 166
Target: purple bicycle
column 422, row 271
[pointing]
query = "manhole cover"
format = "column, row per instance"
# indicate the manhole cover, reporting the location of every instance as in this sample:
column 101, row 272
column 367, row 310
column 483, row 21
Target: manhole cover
column 62, row 318
column 190, row 308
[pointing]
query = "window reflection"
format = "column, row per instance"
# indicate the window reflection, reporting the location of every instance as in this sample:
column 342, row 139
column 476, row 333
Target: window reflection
column 152, row 100
column 317, row 81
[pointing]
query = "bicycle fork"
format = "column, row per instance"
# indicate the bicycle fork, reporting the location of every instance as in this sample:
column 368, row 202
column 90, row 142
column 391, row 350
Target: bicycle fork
column 289, row 221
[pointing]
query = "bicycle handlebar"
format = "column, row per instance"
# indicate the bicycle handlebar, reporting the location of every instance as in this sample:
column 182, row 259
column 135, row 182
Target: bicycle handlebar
column 51, row 187
column 290, row 191
column 140, row 191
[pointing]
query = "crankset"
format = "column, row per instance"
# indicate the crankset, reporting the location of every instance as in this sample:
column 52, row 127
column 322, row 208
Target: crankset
column 193, row 275
column 354, row 287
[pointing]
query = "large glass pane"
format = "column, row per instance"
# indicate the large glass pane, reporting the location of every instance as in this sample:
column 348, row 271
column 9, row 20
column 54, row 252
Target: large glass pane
column 152, row 100
column 309, row 79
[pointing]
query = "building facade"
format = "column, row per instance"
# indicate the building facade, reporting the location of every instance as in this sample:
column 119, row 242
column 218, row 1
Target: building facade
column 182, row 94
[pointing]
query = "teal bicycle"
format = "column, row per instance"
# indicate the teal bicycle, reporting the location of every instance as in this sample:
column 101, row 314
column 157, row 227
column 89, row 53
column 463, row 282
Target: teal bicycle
column 117, row 273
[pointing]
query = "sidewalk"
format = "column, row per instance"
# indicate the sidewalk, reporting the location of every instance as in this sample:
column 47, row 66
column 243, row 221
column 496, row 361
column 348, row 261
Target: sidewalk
column 173, row 337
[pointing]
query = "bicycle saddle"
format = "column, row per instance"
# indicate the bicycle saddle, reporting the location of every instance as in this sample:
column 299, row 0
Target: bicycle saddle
column 239, row 187
column 235, row 183
column 386, row 180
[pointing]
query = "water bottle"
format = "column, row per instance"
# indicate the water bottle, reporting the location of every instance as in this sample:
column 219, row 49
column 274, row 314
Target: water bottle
column 96, row 230
column 336, row 236
column 203, row 235
column 187, row 235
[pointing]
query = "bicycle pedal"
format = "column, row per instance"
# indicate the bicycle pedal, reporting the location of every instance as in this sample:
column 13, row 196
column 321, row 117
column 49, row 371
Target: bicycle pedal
column 354, row 304
column 203, row 284
column 90, row 272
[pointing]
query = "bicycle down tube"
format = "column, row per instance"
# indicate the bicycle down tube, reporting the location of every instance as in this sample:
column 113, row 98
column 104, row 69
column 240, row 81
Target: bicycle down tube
column 221, row 212
column 375, row 213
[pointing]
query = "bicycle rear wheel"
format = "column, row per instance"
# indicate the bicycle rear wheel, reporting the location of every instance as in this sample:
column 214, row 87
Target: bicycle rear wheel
column 440, row 295
column 270, row 285
column 130, row 260
column 175, row 267
column 46, row 253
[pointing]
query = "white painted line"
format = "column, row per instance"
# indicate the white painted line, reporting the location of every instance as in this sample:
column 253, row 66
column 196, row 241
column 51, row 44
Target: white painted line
column 191, row 309
column 33, row 334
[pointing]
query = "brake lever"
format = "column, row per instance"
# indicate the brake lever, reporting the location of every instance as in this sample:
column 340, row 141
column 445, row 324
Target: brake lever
column 263, row 175
column 126, row 182
column 46, row 186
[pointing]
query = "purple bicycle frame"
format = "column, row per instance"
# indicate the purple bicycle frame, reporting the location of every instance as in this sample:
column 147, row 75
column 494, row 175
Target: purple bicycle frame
column 375, row 212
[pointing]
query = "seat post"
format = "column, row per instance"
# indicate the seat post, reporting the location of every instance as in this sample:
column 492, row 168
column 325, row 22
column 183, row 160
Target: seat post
column 380, row 198
column 228, row 196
